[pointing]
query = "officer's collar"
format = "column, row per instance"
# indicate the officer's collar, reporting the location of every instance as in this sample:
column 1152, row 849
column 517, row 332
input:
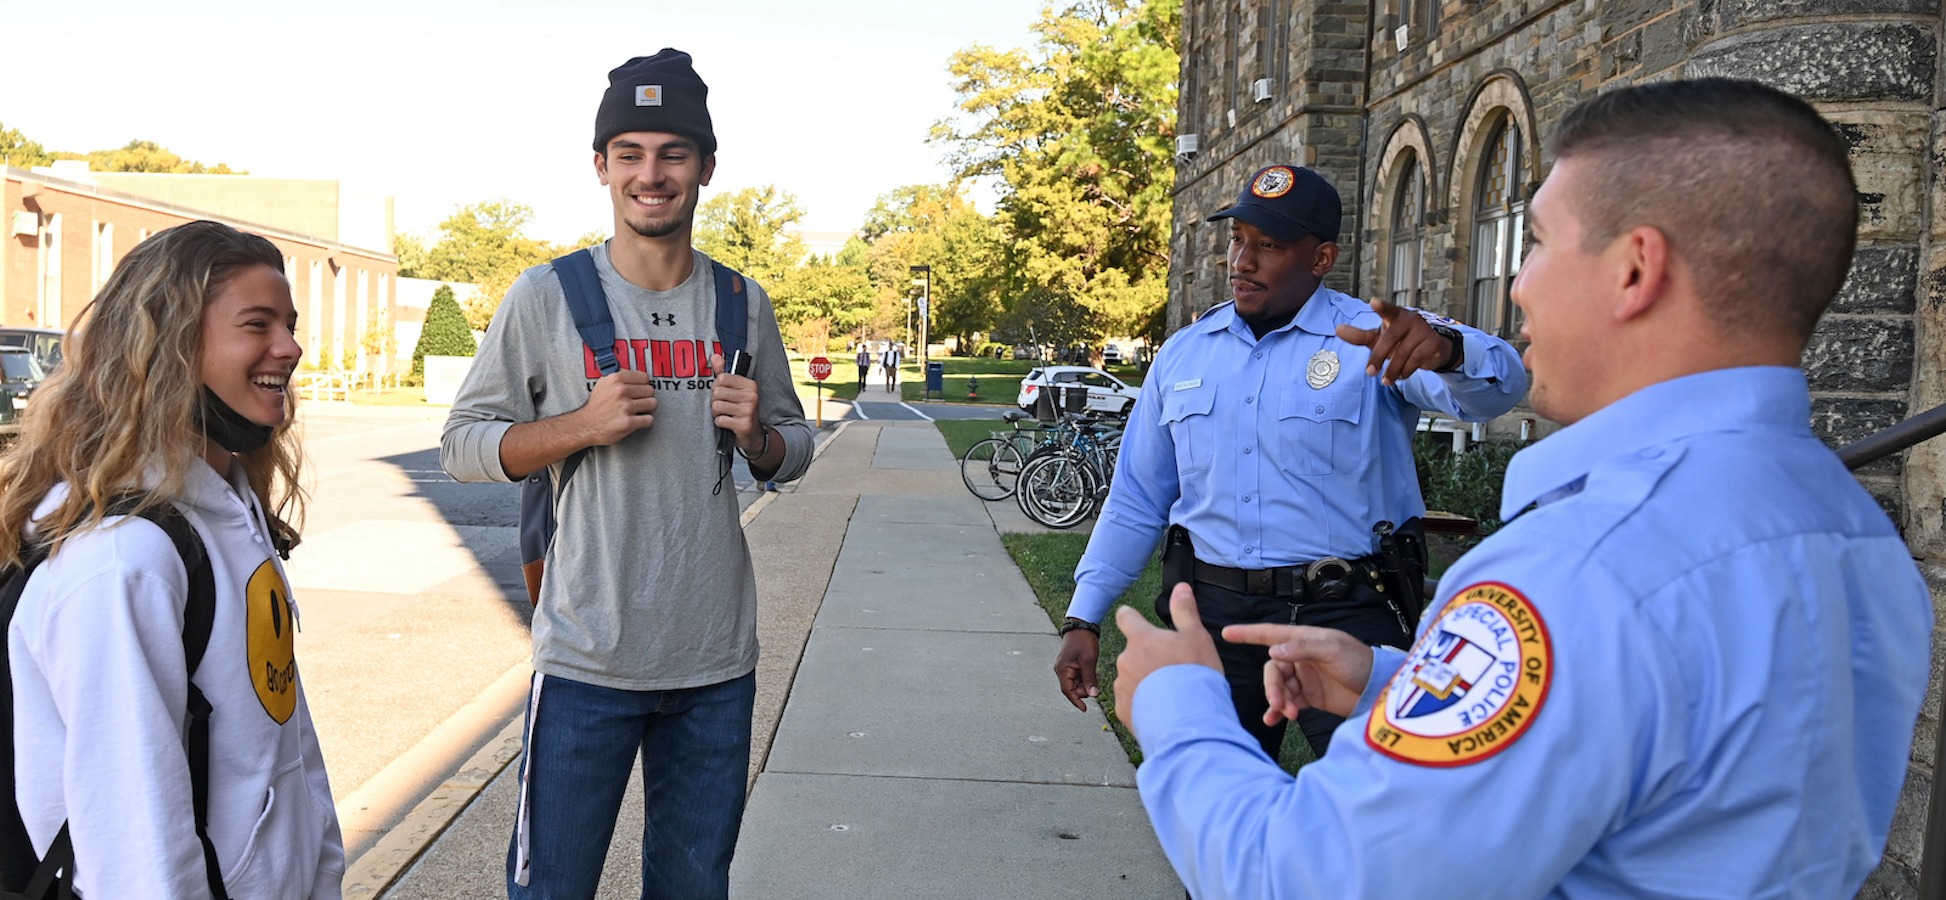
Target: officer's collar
column 1321, row 314
column 1327, row 309
column 1743, row 399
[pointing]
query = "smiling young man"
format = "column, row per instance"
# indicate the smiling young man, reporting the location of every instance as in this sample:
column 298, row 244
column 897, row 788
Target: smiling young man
column 1690, row 663
column 645, row 634
column 1269, row 440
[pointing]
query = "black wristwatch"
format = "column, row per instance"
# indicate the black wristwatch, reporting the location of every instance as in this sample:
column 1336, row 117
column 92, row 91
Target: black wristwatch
column 1074, row 624
column 1459, row 347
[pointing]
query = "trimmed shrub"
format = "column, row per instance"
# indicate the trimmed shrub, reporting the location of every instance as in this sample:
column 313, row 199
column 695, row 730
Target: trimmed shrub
column 445, row 333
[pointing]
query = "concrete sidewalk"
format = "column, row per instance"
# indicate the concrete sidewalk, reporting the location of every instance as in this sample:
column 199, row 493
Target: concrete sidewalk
column 909, row 739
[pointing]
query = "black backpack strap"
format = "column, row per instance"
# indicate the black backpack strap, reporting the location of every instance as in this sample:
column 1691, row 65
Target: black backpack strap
column 56, row 870
column 198, row 620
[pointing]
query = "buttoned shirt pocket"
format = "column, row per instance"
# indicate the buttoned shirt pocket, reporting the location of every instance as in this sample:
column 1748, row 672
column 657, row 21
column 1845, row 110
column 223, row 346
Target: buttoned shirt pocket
column 1317, row 430
column 1186, row 413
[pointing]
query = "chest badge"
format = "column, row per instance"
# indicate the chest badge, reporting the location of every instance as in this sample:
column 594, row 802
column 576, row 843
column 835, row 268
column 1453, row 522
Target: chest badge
column 1321, row 370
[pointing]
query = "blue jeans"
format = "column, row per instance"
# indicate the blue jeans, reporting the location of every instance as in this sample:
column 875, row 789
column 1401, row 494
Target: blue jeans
column 580, row 744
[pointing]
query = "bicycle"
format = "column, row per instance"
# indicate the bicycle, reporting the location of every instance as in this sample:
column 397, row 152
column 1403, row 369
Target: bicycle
column 1063, row 484
column 991, row 467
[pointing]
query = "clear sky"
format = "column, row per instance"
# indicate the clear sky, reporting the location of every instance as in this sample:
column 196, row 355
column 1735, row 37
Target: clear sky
column 444, row 103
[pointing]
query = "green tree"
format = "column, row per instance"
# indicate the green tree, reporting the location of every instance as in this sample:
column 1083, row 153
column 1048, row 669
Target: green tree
column 485, row 244
column 17, row 150
column 445, row 332
column 411, row 251
column 938, row 227
column 751, row 231
column 1079, row 134
column 149, row 156
column 823, row 297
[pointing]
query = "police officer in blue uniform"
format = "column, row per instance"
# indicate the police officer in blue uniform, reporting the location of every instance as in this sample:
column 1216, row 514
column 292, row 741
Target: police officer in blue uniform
column 1691, row 668
column 1269, row 440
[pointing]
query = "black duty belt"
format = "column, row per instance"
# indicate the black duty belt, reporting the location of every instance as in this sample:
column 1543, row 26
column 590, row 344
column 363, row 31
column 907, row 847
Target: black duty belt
column 1284, row 581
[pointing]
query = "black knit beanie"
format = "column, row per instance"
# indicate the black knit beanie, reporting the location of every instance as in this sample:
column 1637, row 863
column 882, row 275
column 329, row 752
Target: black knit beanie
column 656, row 93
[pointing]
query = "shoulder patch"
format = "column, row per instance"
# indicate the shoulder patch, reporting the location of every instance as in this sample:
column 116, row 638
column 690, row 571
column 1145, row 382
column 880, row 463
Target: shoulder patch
column 1472, row 685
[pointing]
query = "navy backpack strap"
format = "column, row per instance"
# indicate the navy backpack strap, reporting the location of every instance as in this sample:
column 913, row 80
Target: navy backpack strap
column 588, row 304
column 589, row 307
column 732, row 310
column 732, row 332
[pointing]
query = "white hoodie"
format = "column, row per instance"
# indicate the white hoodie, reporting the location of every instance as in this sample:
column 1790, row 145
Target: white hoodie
column 100, row 712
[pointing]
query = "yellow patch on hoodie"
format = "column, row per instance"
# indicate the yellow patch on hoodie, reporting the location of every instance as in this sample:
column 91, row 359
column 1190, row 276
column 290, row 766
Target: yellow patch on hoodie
column 273, row 650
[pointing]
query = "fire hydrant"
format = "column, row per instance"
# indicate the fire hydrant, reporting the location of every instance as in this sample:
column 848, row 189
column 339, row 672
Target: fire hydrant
column 972, row 387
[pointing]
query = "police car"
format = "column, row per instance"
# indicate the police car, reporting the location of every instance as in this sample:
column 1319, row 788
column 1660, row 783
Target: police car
column 1106, row 393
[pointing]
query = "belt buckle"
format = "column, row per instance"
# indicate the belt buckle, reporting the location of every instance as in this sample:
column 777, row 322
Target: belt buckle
column 1317, row 569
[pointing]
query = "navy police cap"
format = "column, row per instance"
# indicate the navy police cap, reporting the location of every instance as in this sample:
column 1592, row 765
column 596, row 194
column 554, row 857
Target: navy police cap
column 1288, row 202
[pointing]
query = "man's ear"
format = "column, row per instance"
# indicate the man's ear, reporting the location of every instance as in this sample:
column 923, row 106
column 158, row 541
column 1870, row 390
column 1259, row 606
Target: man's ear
column 601, row 167
column 1639, row 264
column 709, row 168
column 1326, row 258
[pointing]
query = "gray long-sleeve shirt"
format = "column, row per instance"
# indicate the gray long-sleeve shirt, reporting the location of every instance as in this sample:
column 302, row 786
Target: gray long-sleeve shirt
column 649, row 583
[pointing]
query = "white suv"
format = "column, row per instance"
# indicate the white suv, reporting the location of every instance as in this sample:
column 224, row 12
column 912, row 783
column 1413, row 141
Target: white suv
column 1106, row 393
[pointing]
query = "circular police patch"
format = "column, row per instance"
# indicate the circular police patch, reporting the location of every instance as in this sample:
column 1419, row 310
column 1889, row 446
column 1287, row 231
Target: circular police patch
column 1273, row 182
column 1472, row 685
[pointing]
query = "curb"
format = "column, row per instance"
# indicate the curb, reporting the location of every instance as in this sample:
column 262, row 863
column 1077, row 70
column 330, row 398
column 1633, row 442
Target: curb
column 378, row 868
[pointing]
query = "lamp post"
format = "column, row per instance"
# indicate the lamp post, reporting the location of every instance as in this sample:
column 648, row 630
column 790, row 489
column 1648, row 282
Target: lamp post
column 925, row 312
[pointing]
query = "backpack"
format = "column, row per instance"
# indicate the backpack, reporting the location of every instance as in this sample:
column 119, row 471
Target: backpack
column 589, row 306
column 23, row 874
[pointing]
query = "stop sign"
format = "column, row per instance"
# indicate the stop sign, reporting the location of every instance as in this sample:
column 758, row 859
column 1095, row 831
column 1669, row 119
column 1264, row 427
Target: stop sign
column 820, row 368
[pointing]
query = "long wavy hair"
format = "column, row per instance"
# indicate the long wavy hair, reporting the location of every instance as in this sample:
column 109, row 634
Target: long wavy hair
column 119, row 416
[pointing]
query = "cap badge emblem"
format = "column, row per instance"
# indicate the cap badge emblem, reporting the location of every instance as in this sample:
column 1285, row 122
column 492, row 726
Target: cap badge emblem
column 1273, row 182
column 648, row 95
column 1322, row 369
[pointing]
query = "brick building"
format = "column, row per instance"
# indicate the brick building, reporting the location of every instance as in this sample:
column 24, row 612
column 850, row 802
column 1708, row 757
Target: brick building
column 1430, row 116
column 66, row 229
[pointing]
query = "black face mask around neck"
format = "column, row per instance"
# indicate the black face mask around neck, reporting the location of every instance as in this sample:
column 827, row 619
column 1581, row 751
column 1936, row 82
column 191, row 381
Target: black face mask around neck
column 227, row 427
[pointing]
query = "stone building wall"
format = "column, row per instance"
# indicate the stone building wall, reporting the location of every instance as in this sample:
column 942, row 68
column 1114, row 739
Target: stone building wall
column 1359, row 96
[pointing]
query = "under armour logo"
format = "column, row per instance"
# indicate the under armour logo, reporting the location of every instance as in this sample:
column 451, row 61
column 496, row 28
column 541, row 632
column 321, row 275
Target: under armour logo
column 656, row 318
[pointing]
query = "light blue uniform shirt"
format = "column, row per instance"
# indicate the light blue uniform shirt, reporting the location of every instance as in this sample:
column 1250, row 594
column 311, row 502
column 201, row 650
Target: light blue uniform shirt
column 1230, row 440
column 1735, row 651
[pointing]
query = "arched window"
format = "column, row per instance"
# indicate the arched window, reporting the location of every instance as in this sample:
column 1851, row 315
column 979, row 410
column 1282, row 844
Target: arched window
column 1499, row 224
column 1408, row 235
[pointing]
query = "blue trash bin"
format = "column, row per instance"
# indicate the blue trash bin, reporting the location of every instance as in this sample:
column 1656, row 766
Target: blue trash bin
column 936, row 378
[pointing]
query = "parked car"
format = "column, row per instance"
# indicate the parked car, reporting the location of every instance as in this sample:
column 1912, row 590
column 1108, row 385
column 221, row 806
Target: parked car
column 43, row 343
column 1106, row 393
column 20, row 373
column 1112, row 355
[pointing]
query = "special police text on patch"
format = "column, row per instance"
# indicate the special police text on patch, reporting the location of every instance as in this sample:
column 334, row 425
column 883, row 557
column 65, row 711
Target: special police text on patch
column 1472, row 685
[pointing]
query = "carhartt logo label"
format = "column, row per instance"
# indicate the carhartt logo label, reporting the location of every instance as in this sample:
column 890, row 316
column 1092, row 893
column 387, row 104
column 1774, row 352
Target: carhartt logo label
column 648, row 95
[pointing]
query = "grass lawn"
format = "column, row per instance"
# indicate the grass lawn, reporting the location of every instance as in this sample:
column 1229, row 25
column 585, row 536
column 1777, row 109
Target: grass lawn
column 1048, row 561
column 961, row 434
